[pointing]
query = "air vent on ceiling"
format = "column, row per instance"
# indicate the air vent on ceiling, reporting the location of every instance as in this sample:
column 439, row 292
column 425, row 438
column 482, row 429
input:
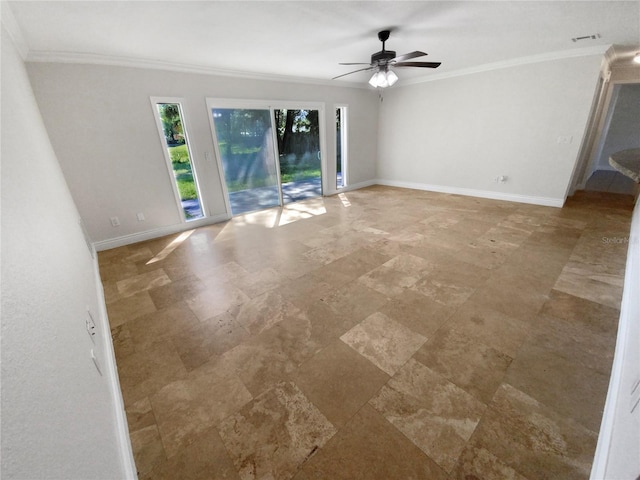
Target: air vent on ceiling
column 595, row 36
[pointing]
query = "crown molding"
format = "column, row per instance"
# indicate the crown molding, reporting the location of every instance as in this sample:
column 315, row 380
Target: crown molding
column 37, row 56
column 545, row 57
column 13, row 29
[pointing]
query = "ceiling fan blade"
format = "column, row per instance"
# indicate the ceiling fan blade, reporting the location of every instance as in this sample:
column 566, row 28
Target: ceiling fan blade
column 360, row 70
column 408, row 56
column 354, row 64
column 418, row 64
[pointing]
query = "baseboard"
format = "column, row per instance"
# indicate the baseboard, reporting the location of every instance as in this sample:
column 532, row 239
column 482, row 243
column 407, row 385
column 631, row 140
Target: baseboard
column 355, row 186
column 157, row 232
column 122, row 427
column 469, row 192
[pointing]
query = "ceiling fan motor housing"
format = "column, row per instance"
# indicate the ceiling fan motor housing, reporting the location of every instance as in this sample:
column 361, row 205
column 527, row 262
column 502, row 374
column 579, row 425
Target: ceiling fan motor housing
column 382, row 57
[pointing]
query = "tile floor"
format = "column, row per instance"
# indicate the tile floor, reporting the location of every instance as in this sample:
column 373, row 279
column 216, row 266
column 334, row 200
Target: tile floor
column 378, row 334
column 610, row 181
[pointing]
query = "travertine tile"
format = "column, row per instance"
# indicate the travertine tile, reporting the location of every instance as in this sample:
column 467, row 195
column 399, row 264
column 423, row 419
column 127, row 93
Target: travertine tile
column 479, row 463
column 356, row 300
column 442, row 290
column 421, row 314
column 140, row 414
column 585, row 281
column 257, row 283
column 147, row 448
column 385, row 342
column 532, row 439
column 273, row 355
column 198, row 345
column 588, row 314
column 273, row 435
column 216, row 301
column 369, row 448
column 126, row 309
column 200, row 400
column 203, row 459
column 462, row 359
column 144, row 281
column 339, row 381
column 432, row 412
column 166, row 295
column 145, row 331
column 264, row 311
column 565, row 366
column 489, row 326
column 146, row 371
column 388, row 281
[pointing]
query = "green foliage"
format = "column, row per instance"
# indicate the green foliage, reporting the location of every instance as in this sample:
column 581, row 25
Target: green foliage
column 187, row 189
column 184, row 177
column 179, row 154
column 300, row 175
column 171, row 122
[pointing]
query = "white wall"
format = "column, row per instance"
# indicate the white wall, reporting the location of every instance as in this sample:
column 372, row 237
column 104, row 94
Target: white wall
column 618, row 452
column 58, row 414
column 102, row 128
column 624, row 125
column 460, row 133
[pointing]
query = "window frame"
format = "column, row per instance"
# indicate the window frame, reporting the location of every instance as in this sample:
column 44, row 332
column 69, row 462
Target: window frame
column 344, row 145
column 165, row 151
column 271, row 105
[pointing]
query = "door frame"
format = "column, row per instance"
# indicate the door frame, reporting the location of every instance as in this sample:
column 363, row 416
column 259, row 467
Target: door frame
column 271, row 105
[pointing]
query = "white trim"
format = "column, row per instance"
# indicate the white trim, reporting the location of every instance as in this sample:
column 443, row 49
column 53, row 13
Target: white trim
column 120, row 61
column 344, row 145
column 158, row 232
column 37, row 56
column 13, row 29
column 271, row 105
column 509, row 197
column 545, row 57
column 624, row 342
column 155, row 101
column 357, row 186
column 122, row 427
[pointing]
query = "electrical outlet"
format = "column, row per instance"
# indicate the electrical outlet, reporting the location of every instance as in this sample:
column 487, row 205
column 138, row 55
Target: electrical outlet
column 91, row 326
column 115, row 221
column 140, row 217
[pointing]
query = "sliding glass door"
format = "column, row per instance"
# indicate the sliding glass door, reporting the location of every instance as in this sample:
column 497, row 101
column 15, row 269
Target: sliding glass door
column 268, row 156
column 245, row 148
column 299, row 153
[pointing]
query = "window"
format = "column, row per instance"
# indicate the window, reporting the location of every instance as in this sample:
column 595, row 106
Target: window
column 171, row 126
column 341, row 147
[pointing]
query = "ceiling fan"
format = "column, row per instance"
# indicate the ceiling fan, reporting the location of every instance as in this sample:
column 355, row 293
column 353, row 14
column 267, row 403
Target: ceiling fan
column 382, row 61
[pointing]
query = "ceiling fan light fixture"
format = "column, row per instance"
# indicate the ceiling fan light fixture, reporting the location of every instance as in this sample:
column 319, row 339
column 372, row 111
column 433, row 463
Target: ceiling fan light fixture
column 391, row 77
column 383, row 79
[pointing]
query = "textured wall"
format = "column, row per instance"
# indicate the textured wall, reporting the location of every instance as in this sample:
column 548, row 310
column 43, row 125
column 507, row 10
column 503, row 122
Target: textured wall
column 463, row 132
column 102, row 128
column 58, row 412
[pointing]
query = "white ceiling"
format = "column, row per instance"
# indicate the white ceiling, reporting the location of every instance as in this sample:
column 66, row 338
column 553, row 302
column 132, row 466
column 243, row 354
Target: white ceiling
column 309, row 38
